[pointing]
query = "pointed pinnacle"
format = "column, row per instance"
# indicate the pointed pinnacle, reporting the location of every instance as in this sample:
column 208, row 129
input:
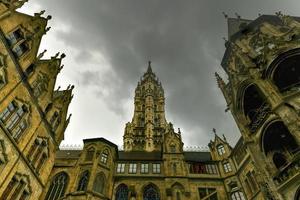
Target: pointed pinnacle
column 149, row 70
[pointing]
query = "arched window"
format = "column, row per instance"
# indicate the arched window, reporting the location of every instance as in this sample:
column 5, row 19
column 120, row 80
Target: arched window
column 286, row 74
column 122, row 192
column 278, row 138
column 83, row 181
column 150, row 193
column 58, row 186
column 238, row 195
column 99, row 183
column 104, row 156
column 254, row 106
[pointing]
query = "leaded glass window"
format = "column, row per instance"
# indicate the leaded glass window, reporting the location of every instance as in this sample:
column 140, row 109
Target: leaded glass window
column 58, row 186
column 83, row 181
column 150, row 193
column 99, row 183
column 122, row 192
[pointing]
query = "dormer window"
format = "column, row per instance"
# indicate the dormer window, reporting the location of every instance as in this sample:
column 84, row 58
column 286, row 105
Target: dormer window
column 221, row 149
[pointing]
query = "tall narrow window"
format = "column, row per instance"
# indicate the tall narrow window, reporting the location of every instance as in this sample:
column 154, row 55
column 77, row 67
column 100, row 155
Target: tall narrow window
column 14, row 37
column 18, row 43
column 3, row 155
column 38, row 153
column 104, row 156
column 40, row 84
column 83, row 181
column 13, row 117
column 99, row 183
column 17, row 188
column 58, row 186
column 90, row 154
column 122, row 192
column 55, row 120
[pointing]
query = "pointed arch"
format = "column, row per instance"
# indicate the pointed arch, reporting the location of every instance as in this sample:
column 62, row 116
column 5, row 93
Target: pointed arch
column 83, row 181
column 99, row 183
column 284, row 71
column 58, row 186
column 89, row 156
column 122, row 192
column 151, row 192
column 281, row 138
column 177, row 190
column 104, row 156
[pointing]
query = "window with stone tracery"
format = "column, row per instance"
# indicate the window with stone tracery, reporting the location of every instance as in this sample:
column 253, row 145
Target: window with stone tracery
column 38, row 153
column 13, row 118
column 122, row 192
column 40, row 84
column 55, row 120
column 104, row 156
column 151, row 193
column 58, row 186
column 17, row 42
column 83, row 181
column 99, row 183
column 18, row 188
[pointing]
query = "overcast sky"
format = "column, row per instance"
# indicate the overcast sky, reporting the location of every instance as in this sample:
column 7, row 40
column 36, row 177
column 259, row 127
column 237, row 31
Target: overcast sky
column 108, row 44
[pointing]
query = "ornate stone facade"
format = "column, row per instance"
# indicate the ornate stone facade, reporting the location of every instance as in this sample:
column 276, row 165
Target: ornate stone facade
column 262, row 61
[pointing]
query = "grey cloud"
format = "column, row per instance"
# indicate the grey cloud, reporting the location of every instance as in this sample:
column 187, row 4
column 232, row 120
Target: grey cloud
column 182, row 38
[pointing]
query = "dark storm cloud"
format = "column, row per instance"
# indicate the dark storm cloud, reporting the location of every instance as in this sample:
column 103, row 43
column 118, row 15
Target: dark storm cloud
column 182, row 38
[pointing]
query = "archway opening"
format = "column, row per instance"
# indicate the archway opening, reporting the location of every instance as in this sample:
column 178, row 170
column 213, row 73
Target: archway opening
column 254, row 105
column 286, row 75
column 278, row 138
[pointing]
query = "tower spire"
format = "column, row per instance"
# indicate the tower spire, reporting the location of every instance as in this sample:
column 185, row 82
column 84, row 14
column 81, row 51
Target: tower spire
column 149, row 69
column 144, row 132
